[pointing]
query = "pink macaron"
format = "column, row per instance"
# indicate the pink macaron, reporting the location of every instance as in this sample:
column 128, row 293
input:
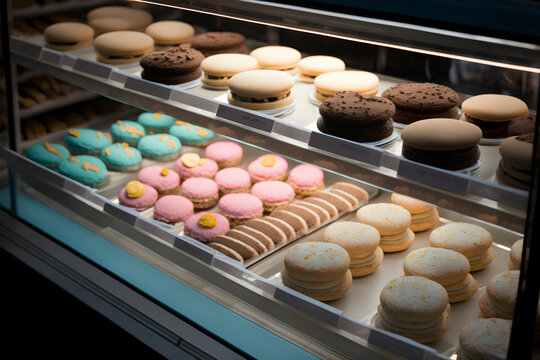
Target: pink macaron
column 202, row 192
column 306, row 179
column 165, row 181
column 173, row 208
column 225, row 153
column 240, row 207
column 232, row 180
column 191, row 165
column 138, row 195
column 206, row 226
column 273, row 194
column 268, row 167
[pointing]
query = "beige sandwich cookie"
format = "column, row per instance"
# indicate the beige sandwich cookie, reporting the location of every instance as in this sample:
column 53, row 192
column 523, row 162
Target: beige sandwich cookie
column 355, row 190
column 482, row 338
column 340, row 203
column 269, row 229
column 423, row 215
column 312, row 66
column 66, row 36
column 247, row 239
column 170, row 33
column 310, row 217
column 361, row 242
column 446, row 267
column 317, row 269
column 328, row 84
column 299, row 225
column 260, row 236
column 281, row 58
column 392, row 221
column 122, row 47
column 323, row 215
column 515, row 167
column 246, row 251
column 284, row 226
column 514, row 258
column 325, row 204
column 218, row 69
column 414, row 307
column 471, row 240
column 498, row 299
column 350, row 198
column 115, row 18
column 261, row 89
column 227, row 251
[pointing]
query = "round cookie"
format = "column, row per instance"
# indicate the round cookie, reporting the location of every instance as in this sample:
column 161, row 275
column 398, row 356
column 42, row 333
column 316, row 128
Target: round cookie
column 471, row 240
column 202, row 192
column 164, row 180
column 341, row 204
column 329, row 84
column 206, row 226
column 240, row 207
column 122, row 47
column 268, row 167
column 173, row 208
column 137, row 195
column 446, row 267
column 218, row 69
column 261, row 89
column 361, row 242
column 423, row 215
column 227, row 251
column 317, row 269
column 312, row 66
column 274, row 57
column 285, row 227
column 418, row 101
column 298, row 224
column 225, row 153
column 482, row 338
column 121, row 157
column 274, row 194
column 311, row 218
column 324, row 204
column 306, row 179
column 493, row 113
column 49, row 155
column 498, row 299
column 249, row 240
column 522, row 125
column 86, row 169
column 170, row 33
column 269, row 229
column 443, row 143
column 113, row 18
column 127, row 131
column 514, row 258
column 356, row 117
column 232, row 180
column 175, row 65
column 160, row 147
column 155, row 123
column 515, row 167
column 360, row 194
column 191, row 135
column 65, row 36
column 86, row 141
column 191, row 165
column 216, row 42
column 414, row 307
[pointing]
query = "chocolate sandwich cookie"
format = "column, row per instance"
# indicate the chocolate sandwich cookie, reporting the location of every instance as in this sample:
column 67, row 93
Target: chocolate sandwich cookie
column 515, row 166
column 356, row 117
column 172, row 66
column 211, row 43
column 522, row 125
column 418, row 101
column 122, row 47
column 444, row 143
column 68, row 36
column 493, row 113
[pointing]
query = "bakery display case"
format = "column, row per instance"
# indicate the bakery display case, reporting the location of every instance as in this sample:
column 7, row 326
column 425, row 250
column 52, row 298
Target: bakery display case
column 185, row 284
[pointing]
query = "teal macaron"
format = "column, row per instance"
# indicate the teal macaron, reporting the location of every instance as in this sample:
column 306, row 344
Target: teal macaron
column 49, row 155
column 127, row 131
column 162, row 147
column 86, row 169
column 190, row 134
column 155, row 122
column 86, row 141
column 121, row 157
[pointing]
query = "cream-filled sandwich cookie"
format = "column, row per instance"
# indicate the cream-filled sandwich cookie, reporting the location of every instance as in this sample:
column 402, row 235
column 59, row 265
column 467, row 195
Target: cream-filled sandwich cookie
column 515, row 167
column 66, row 36
column 261, row 89
column 482, row 338
column 447, row 267
column 312, row 66
column 392, row 221
column 282, row 58
column 285, row 227
column 414, row 307
column 423, row 215
column 329, row 84
column 114, row 18
column 317, row 269
column 498, row 299
column 266, row 227
column 514, row 258
column 122, row 47
column 471, row 240
column 170, row 33
column 218, row 69
column 361, row 242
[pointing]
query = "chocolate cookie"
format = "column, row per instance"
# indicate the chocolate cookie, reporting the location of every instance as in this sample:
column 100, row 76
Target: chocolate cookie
column 211, row 43
column 418, row 101
column 356, row 117
column 172, row 66
column 522, row 125
column 515, row 166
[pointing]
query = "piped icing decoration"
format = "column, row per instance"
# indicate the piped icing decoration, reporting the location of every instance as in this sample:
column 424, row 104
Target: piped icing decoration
column 191, row 159
column 87, row 166
column 129, row 152
column 99, row 135
column 74, row 133
column 130, row 129
column 73, row 159
column 208, row 221
column 170, row 143
column 53, row 150
column 268, row 161
column 164, row 172
column 107, row 151
column 109, row 136
column 135, row 189
column 157, row 116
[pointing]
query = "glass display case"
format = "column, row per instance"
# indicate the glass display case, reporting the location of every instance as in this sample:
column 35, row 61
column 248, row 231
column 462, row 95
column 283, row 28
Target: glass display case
column 181, row 296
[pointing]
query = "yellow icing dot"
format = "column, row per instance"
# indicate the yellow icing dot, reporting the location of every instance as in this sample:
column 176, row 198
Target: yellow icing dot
column 165, row 172
column 74, row 133
column 119, row 122
column 135, row 189
column 268, row 161
column 190, row 159
column 53, row 150
column 125, row 144
column 208, row 221
column 157, row 116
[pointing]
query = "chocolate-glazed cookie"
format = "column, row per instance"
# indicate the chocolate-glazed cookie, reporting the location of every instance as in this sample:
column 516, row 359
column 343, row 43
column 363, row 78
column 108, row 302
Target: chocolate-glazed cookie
column 418, row 101
column 211, row 43
column 172, row 66
column 356, row 117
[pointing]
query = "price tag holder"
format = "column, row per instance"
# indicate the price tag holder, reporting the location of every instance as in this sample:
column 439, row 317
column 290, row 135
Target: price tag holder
column 118, row 212
column 118, row 76
column 390, row 161
column 197, row 101
column 23, row 164
column 354, row 327
column 76, row 187
column 154, row 229
column 148, row 87
column 68, row 60
column 518, row 199
column 92, row 67
column 401, row 346
column 24, row 47
column 51, row 56
column 246, row 117
column 432, row 176
column 228, row 265
column 291, row 131
column 193, row 248
column 349, row 149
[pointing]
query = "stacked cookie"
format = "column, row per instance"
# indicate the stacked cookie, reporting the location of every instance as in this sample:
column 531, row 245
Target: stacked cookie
column 515, row 167
column 423, row 215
